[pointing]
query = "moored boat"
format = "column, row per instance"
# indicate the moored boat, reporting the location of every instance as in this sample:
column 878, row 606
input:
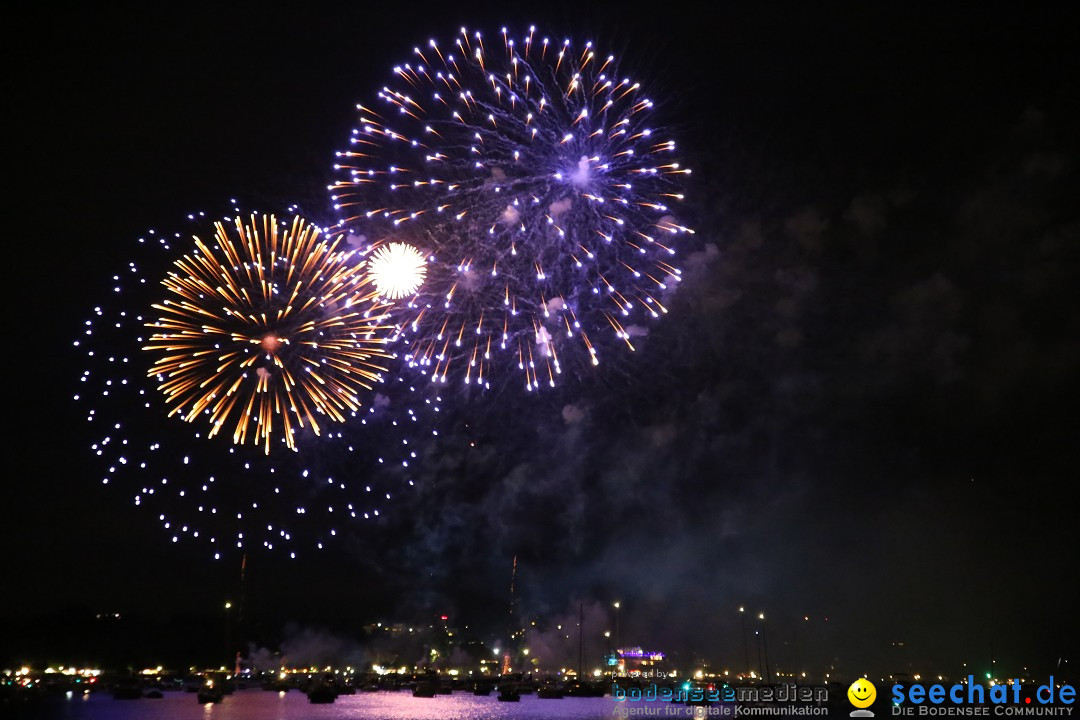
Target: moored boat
column 322, row 695
column 424, row 689
column 209, row 694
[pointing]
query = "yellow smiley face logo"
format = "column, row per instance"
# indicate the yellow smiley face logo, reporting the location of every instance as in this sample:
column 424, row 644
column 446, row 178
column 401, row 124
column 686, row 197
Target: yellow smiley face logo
column 862, row 693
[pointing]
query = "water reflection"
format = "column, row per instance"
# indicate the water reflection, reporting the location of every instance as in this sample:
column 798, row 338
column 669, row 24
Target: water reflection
column 261, row 705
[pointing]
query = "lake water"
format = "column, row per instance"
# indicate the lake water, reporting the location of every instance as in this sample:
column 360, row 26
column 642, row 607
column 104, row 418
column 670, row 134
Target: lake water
column 262, row 705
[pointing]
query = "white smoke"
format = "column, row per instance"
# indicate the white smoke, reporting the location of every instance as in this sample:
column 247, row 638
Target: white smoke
column 558, row 207
column 543, row 341
column 510, row 215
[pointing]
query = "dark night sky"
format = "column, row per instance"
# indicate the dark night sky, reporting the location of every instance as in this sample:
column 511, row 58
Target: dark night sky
column 862, row 406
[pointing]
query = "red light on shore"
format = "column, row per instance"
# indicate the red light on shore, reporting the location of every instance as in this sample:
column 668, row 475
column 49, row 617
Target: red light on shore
column 444, row 617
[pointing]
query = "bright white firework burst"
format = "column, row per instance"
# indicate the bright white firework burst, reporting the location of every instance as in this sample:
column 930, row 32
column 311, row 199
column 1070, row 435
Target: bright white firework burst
column 397, row 270
column 532, row 176
column 234, row 497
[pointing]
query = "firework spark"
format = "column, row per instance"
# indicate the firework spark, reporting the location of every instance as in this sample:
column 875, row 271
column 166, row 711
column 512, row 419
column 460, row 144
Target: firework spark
column 531, row 175
column 397, row 269
column 270, row 325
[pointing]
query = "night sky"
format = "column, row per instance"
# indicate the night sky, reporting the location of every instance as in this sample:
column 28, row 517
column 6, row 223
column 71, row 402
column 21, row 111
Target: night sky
column 862, row 406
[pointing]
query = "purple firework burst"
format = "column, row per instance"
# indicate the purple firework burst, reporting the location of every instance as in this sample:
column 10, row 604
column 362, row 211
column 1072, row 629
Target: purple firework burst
column 532, row 177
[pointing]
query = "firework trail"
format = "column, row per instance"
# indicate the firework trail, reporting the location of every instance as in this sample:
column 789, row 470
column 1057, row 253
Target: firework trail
column 310, row 489
column 530, row 175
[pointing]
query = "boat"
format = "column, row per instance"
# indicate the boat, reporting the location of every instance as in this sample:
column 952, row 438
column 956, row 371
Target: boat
column 509, row 693
column 322, row 695
column 424, row 689
column 132, row 691
column 209, row 694
column 154, row 695
column 549, row 692
column 585, row 689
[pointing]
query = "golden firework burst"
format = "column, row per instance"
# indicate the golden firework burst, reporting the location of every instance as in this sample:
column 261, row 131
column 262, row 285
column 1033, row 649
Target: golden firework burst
column 268, row 328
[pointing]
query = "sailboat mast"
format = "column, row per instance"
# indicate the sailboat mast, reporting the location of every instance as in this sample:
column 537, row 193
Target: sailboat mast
column 581, row 642
column 510, row 620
